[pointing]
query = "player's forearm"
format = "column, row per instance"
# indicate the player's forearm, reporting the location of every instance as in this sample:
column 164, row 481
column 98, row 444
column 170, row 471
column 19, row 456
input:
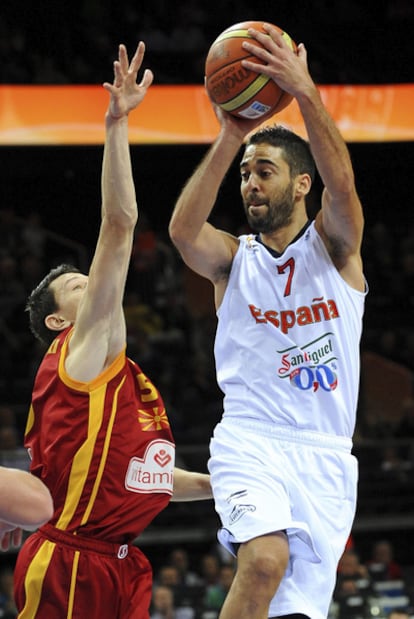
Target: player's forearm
column 26, row 501
column 199, row 195
column 328, row 147
column 118, row 190
column 191, row 486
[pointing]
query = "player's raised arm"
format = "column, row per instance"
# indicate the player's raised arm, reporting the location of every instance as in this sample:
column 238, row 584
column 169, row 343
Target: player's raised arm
column 99, row 333
column 340, row 221
column 205, row 249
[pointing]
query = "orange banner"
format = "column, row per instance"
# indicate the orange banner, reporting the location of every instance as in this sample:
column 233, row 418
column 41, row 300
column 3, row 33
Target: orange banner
column 182, row 114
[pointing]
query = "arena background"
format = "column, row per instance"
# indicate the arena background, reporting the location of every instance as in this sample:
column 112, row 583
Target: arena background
column 348, row 43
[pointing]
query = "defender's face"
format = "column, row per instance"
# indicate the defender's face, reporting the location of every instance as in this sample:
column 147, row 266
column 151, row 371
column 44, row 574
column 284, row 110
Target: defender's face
column 68, row 289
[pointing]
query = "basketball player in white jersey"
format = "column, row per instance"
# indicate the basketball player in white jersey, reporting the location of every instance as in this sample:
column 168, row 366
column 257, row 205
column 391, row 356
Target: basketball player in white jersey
column 289, row 299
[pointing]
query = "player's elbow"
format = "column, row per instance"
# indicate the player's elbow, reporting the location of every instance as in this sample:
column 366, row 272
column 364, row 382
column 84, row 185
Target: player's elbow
column 345, row 183
column 181, row 235
column 41, row 511
column 124, row 218
column 175, row 231
column 47, row 509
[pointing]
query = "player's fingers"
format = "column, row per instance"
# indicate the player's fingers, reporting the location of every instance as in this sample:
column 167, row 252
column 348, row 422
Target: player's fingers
column 137, row 58
column 302, row 52
column 147, row 79
column 5, row 541
column 123, row 58
column 118, row 74
column 255, row 50
column 17, row 537
column 262, row 38
column 275, row 35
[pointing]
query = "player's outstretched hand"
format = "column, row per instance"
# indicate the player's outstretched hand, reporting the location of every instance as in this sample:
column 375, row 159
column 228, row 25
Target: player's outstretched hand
column 125, row 92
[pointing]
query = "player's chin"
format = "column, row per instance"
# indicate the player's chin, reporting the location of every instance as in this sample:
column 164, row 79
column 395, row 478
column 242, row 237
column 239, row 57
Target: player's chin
column 257, row 224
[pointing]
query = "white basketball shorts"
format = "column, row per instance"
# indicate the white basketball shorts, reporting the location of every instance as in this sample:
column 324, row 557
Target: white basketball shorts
column 269, row 478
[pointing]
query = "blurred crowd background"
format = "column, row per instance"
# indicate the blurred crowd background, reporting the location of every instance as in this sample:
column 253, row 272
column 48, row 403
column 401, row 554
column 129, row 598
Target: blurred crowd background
column 353, row 42
column 49, row 213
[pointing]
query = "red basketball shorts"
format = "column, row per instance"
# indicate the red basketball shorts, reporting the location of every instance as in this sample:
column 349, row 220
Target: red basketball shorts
column 69, row 577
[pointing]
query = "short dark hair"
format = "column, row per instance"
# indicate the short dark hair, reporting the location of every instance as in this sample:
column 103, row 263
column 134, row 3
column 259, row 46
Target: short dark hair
column 42, row 302
column 297, row 152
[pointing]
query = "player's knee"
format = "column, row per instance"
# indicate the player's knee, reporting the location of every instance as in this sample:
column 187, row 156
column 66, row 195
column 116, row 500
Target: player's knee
column 265, row 569
column 262, row 563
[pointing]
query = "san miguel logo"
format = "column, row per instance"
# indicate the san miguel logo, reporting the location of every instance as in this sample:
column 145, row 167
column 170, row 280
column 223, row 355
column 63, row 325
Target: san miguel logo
column 312, row 366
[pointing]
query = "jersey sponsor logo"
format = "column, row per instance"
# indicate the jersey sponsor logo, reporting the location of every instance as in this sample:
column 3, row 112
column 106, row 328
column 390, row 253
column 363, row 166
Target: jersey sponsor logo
column 318, row 311
column 307, row 378
column 311, row 366
column 155, row 471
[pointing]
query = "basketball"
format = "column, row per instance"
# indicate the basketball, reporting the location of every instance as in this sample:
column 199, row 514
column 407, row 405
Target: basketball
column 235, row 89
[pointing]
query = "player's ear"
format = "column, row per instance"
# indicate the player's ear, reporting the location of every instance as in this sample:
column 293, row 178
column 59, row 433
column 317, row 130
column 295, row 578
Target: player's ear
column 303, row 185
column 54, row 322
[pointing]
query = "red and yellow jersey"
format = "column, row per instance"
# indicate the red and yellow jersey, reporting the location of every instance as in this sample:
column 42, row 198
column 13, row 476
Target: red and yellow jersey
column 104, row 448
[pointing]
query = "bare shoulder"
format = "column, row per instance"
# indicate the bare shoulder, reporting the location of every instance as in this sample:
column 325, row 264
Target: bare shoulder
column 347, row 260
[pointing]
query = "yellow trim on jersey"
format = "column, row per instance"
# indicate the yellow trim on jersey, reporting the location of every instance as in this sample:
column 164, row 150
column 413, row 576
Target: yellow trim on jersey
column 104, row 454
column 53, row 347
column 30, row 420
column 82, row 459
column 104, row 377
column 73, row 580
column 35, row 576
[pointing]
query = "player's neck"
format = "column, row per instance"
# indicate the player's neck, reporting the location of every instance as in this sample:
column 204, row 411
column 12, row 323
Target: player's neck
column 279, row 239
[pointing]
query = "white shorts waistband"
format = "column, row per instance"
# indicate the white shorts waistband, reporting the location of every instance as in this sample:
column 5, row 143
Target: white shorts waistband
column 297, row 435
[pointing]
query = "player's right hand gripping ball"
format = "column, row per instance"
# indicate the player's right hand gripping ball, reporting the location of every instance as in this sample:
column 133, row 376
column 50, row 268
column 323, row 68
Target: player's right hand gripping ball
column 237, row 90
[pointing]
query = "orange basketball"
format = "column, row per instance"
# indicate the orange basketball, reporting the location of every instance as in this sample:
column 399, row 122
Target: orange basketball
column 237, row 90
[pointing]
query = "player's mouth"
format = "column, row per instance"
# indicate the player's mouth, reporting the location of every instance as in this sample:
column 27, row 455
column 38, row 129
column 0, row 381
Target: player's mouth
column 255, row 208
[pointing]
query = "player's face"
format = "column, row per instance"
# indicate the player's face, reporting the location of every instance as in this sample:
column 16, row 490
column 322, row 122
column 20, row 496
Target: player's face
column 267, row 188
column 68, row 289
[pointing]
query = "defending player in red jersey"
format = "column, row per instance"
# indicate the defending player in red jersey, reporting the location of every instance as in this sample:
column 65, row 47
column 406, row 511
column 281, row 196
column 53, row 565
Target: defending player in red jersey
column 98, row 433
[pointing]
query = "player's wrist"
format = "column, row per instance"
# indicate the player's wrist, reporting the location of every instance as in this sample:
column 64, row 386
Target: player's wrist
column 112, row 119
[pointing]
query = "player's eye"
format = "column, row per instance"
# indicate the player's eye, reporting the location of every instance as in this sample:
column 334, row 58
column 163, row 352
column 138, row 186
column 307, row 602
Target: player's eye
column 264, row 173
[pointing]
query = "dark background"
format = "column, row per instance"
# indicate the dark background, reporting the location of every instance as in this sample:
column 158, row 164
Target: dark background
column 348, row 42
column 63, row 184
column 74, row 42
column 44, row 42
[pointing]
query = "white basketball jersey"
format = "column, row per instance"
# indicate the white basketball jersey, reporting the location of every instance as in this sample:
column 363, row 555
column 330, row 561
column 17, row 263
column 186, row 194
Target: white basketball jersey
column 288, row 336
